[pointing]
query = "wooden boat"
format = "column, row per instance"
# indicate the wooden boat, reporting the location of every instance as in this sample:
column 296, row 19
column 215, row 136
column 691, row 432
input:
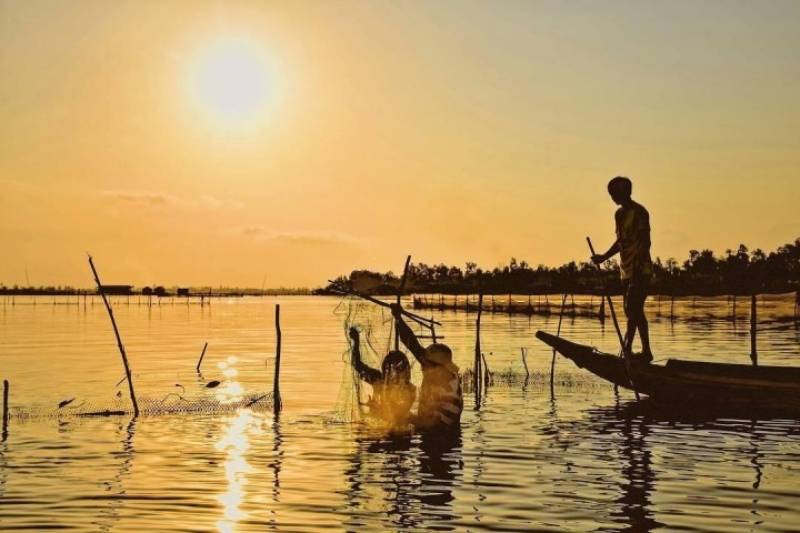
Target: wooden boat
column 697, row 383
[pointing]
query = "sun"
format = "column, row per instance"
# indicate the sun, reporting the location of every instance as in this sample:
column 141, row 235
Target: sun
column 232, row 82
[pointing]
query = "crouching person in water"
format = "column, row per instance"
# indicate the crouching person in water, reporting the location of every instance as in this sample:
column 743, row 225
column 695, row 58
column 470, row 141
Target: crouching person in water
column 440, row 399
column 392, row 391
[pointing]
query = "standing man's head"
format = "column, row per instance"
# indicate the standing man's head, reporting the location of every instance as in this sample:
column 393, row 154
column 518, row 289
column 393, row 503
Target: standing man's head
column 620, row 189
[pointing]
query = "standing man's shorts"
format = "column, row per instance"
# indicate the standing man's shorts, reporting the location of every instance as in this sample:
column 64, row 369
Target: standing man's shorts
column 634, row 293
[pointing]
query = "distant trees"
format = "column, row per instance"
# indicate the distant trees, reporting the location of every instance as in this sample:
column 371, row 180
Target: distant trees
column 739, row 271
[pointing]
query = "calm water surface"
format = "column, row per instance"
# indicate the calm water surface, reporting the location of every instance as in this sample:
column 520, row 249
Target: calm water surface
column 583, row 460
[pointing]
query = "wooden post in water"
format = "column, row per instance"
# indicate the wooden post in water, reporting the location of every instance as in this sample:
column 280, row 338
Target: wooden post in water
column 202, row 354
column 477, row 365
column 277, row 403
column 525, row 363
column 753, row 329
column 486, row 372
column 558, row 334
column 119, row 340
column 5, row 410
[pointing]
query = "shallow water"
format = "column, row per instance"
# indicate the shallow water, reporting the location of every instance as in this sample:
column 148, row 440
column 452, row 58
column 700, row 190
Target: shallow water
column 583, row 460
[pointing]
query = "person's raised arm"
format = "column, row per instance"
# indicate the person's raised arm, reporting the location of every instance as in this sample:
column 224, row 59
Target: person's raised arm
column 407, row 336
column 367, row 373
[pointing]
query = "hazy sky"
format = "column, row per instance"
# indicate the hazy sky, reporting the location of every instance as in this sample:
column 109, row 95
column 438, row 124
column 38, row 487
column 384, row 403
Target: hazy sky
column 228, row 143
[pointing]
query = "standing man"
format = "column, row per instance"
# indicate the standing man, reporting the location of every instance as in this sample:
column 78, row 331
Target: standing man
column 636, row 267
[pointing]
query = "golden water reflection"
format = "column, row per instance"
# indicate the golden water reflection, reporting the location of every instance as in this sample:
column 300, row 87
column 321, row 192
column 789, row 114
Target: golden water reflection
column 230, row 391
column 235, row 442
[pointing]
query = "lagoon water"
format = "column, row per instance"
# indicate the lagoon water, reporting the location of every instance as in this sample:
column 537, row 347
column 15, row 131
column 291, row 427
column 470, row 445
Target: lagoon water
column 585, row 459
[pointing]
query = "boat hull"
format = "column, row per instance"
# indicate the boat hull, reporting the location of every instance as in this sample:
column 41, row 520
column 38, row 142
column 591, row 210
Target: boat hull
column 687, row 382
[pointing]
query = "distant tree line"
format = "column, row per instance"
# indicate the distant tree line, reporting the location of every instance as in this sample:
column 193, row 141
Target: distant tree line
column 59, row 290
column 741, row 271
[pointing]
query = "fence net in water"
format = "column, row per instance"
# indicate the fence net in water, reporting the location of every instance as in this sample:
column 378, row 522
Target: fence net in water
column 173, row 403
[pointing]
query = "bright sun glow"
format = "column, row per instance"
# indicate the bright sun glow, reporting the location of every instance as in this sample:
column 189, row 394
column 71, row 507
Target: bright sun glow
column 232, row 82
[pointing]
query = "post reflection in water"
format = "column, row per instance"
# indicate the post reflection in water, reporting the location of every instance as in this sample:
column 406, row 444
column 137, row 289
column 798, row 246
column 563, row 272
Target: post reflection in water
column 275, row 465
column 414, row 477
column 638, row 479
column 114, row 488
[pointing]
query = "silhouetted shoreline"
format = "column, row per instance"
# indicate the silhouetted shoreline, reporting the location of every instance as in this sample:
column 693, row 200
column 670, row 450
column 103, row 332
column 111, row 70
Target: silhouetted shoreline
column 737, row 272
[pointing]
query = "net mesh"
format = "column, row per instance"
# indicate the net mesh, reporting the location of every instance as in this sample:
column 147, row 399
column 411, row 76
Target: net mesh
column 375, row 326
column 171, row 404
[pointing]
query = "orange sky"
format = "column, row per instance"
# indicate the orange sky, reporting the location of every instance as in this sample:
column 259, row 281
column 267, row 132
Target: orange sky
column 229, row 143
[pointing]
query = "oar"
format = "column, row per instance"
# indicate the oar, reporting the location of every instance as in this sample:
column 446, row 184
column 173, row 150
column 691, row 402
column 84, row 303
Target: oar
column 616, row 323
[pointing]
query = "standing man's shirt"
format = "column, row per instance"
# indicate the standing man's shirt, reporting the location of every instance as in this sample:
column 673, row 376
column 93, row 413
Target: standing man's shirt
column 633, row 237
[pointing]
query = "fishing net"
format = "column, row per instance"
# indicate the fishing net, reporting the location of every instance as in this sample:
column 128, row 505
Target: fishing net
column 172, row 403
column 376, row 328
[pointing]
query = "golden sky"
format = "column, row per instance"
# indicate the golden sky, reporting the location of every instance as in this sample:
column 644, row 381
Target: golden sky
column 236, row 142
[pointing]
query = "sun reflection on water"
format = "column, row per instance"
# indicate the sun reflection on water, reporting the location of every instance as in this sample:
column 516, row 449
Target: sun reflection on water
column 231, row 391
column 235, row 442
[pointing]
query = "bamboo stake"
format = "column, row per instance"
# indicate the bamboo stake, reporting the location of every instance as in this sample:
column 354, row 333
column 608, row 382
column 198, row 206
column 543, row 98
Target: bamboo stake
column 202, row 354
column 400, row 295
column 477, row 364
column 5, row 410
column 119, row 340
column 558, row 334
column 486, row 372
column 753, row 330
column 276, row 390
column 525, row 363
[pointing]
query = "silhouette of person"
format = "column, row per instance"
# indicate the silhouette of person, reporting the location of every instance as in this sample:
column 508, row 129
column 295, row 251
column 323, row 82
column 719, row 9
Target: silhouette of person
column 440, row 397
column 633, row 245
column 392, row 391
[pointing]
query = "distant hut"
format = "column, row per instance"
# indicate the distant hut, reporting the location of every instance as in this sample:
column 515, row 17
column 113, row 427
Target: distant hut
column 117, row 290
column 160, row 291
column 183, row 291
column 147, row 291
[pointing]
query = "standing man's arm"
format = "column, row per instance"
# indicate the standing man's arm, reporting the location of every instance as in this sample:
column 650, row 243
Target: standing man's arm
column 614, row 250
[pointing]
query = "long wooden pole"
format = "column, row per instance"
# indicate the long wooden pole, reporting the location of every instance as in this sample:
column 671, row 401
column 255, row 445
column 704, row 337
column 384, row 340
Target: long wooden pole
column 276, row 388
column 119, row 340
column 400, row 290
column 616, row 323
column 610, row 304
column 416, row 318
